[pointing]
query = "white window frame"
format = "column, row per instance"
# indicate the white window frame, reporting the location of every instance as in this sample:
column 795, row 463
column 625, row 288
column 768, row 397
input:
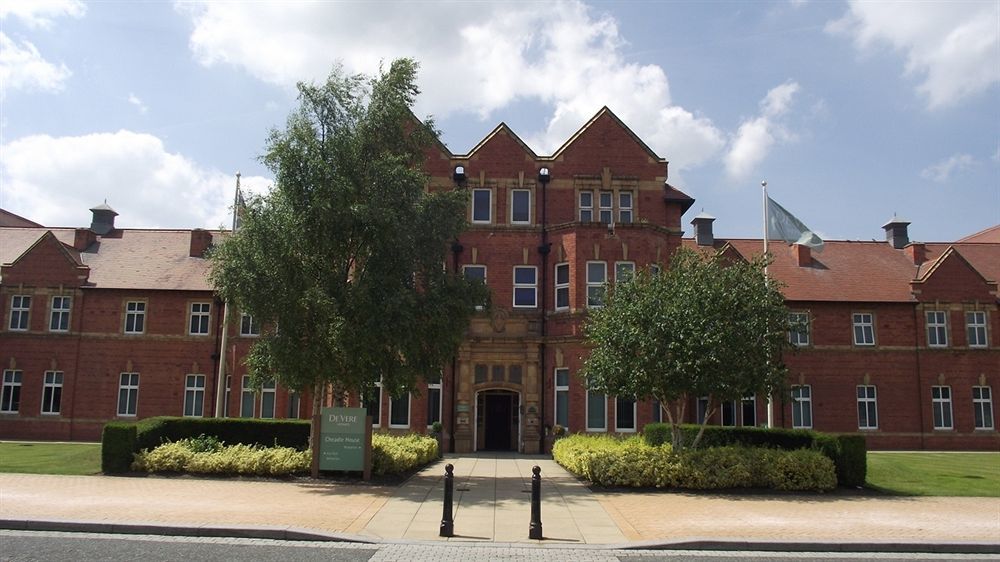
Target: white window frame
column 489, row 207
column 731, row 407
column 798, row 329
column 60, row 315
column 635, row 417
column 623, row 209
column 249, row 328
column 560, row 287
column 802, row 403
column 136, row 310
column 982, row 404
column 752, row 401
column 409, row 411
column 269, row 389
column 606, row 210
column 513, row 194
column 588, row 209
column 246, row 388
column 937, row 328
column 867, row 396
column 198, row 312
column 700, row 410
column 560, row 389
column 11, row 385
column 20, row 309
column 52, row 384
column 604, row 402
column 595, row 285
column 296, row 398
column 466, row 268
column 533, row 286
column 227, row 395
column 435, row 386
column 941, row 402
column 621, row 267
column 130, row 393
column 863, row 320
column 192, row 389
column 975, row 328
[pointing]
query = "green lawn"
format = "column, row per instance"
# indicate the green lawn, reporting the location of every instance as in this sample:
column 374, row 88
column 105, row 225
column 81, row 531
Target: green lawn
column 50, row 458
column 935, row 474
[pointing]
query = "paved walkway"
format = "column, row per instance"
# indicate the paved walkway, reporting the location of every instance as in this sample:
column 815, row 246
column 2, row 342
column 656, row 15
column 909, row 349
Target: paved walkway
column 492, row 503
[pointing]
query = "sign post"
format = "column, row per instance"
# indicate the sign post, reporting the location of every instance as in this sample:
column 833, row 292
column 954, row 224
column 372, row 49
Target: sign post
column 346, row 440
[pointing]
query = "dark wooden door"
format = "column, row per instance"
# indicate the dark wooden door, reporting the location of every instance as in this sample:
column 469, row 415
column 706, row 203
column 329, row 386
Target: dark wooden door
column 497, row 421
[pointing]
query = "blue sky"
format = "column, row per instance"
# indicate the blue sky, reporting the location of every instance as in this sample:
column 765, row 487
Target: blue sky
column 853, row 112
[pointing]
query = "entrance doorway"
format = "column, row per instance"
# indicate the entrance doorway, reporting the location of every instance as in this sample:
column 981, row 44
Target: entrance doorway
column 497, row 420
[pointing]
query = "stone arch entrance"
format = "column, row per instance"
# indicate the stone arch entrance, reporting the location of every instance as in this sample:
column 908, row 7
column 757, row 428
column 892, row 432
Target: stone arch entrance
column 498, row 420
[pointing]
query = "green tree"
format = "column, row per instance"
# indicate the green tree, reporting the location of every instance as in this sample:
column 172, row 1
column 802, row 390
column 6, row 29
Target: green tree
column 706, row 326
column 342, row 262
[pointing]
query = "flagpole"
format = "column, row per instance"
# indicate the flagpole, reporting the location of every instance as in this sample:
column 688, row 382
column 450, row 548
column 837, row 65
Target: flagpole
column 770, row 397
column 220, row 390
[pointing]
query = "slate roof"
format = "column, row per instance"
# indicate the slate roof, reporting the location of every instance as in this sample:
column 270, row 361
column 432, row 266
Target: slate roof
column 127, row 259
column 8, row 218
column 857, row 271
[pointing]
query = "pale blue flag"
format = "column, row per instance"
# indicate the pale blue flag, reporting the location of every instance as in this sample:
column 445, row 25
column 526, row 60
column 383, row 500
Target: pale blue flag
column 782, row 225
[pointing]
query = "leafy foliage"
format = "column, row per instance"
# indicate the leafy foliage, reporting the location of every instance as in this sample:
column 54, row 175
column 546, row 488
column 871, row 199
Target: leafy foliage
column 609, row 461
column 704, row 327
column 342, row 261
column 204, row 456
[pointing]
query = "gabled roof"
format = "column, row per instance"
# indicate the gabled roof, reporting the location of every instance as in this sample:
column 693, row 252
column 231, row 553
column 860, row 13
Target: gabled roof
column 501, row 128
column 606, row 113
column 132, row 259
column 72, row 256
column 8, row 218
column 989, row 235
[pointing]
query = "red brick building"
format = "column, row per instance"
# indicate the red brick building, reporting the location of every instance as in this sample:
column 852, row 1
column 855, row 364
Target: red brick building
column 104, row 323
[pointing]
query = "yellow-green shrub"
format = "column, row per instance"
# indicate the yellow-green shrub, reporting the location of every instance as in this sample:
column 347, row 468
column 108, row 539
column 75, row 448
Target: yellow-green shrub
column 610, row 461
column 397, row 454
column 179, row 456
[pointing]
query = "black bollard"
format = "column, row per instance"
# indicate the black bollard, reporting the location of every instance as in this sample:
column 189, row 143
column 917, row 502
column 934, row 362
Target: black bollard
column 535, row 529
column 447, row 522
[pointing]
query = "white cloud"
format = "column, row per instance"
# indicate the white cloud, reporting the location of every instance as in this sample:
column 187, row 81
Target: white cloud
column 943, row 170
column 138, row 103
column 756, row 136
column 480, row 57
column 23, row 68
column 952, row 47
column 146, row 184
column 37, row 14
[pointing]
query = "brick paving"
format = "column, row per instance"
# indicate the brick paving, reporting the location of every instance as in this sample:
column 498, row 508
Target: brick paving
column 492, row 504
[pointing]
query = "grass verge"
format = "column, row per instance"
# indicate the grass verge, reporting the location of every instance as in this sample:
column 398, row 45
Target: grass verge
column 50, row 458
column 935, row 474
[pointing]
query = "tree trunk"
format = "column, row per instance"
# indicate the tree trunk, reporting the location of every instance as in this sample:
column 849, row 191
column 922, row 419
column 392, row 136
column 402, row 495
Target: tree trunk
column 701, row 431
column 314, row 430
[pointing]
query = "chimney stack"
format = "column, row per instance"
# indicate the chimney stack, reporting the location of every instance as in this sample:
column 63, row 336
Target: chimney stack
column 104, row 219
column 83, row 238
column 917, row 252
column 895, row 233
column 803, row 255
column 201, row 240
column 703, row 229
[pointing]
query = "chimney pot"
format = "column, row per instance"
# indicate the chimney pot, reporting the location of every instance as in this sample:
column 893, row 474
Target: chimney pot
column 703, row 229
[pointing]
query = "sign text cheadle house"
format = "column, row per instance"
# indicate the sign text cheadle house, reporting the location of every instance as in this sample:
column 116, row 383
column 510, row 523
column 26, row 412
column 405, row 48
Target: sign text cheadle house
column 342, row 439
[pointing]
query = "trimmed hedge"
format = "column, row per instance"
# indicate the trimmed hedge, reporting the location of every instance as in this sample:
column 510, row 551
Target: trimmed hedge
column 122, row 440
column 187, row 456
column 848, row 452
column 398, row 454
column 118, row 445
column 632, row 462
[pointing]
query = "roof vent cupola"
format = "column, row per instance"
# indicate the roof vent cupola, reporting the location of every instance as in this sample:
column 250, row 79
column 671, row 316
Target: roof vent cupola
column 703, row 229
column 104, row 219
column 895, row 232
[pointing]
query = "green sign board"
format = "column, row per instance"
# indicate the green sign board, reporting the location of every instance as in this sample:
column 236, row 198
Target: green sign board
column 342, row 439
